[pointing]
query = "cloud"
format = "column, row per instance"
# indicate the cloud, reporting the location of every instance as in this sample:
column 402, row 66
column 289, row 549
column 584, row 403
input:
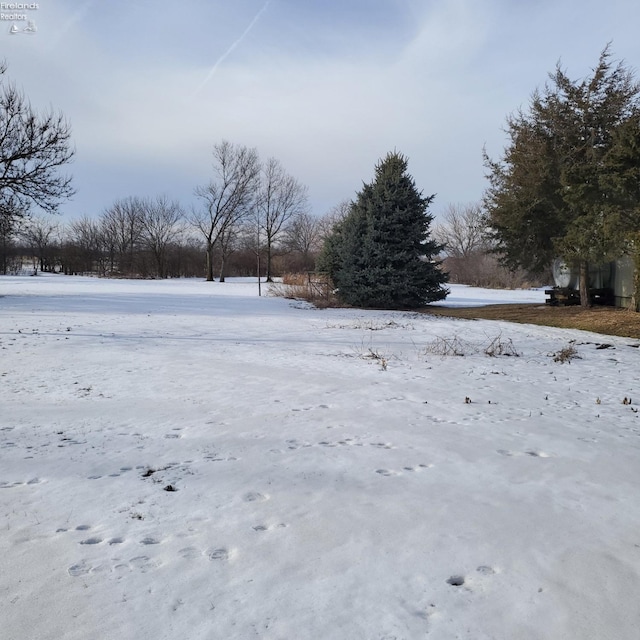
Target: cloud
column 328, row 92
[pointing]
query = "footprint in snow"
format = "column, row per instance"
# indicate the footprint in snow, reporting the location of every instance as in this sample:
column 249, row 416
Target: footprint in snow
column 188, row 553
column 531, row 453
column 255, row 496
column 458, row 580
column 9, row 485
column 266, row 527
column 79, row 569
column 143, row 563
column 218, row 554
column 390, row 472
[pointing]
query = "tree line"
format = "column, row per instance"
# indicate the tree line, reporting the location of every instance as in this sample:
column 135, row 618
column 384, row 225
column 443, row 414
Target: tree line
column 155, row 238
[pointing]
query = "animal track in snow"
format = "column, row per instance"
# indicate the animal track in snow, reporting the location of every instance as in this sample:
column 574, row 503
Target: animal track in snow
column 390, row 472
column 12, row 485
column 143, row 563
column 531, row 453
column 266, row 527
column 79, row 569
column 294, row 444
column 255, row 496
column 140, row 563
column 217, row 553
column 459, row 580
column 115, row 474
column 188, row 553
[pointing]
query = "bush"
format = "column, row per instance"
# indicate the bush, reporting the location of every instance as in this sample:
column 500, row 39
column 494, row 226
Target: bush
column 314, row 288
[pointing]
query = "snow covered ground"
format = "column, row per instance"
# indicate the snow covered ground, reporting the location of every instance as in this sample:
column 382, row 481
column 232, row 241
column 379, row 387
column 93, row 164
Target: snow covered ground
column 185, row 460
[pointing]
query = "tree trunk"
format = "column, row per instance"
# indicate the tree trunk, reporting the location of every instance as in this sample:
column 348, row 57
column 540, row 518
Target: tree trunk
column 222, row 265
column 269, row 279
column 635, row 296
column 585, row 297
column 209, row 267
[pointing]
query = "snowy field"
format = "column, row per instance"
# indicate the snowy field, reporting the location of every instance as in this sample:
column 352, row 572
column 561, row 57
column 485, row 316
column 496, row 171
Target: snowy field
column 182, row 460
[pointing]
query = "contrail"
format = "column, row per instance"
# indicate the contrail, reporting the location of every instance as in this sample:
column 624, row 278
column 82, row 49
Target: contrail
column 224, row 56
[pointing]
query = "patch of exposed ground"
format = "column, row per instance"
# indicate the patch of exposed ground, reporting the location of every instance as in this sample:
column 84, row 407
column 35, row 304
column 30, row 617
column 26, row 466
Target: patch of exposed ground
column 606, row 320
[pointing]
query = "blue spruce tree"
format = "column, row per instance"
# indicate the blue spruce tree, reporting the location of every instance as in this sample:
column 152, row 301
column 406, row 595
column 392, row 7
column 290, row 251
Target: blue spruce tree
column 383, row 256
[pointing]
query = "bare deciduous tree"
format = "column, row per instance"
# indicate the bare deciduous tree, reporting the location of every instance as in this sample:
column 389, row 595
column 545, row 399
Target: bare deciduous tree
column 334, row 216
column 10, row 218
column 161, row 225
column 281, row 198
column 463, row 230
column 123, row 230
column 85, row 247
column 303, row 237
column 40, row 234
column 469, row 256
column 228, row 198
column 33, row 147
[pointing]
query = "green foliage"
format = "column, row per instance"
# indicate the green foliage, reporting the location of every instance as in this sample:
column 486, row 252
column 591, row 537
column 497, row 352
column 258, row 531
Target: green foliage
column 568, row 181
column 381, row 254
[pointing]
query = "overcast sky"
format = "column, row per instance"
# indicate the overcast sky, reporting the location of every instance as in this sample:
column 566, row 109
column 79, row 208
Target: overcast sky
column 327, row 87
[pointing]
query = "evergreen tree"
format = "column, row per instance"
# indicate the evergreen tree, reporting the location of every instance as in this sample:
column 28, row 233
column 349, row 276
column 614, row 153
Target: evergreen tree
column 382, row 255
column 552, row 193
column 621, row 181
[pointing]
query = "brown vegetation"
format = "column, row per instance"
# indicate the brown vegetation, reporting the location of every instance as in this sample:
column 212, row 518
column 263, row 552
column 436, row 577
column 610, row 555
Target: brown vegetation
column 606, row 320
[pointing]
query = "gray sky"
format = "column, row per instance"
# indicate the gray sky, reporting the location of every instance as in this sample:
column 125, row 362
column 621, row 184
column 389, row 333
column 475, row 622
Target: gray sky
column 327, row 87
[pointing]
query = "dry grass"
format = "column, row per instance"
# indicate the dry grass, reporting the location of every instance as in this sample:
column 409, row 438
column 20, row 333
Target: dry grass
column 299, row 286
column 606, row 320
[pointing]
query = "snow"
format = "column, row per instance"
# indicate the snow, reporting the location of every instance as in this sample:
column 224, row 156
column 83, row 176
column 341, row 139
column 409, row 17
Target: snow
column 335, row 477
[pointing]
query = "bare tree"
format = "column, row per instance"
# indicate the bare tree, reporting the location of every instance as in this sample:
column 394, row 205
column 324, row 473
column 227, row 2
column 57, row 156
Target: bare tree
column 84, row 251
column 10, row 218
column 227, row 199
column 469, row 255
column 33, row 147
column 161, row 226
column 463, row 231
column 302, row 236
column 122, row 225
column 281, row 198
column 227, row 241
column 40, row 235
column 334, row 216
